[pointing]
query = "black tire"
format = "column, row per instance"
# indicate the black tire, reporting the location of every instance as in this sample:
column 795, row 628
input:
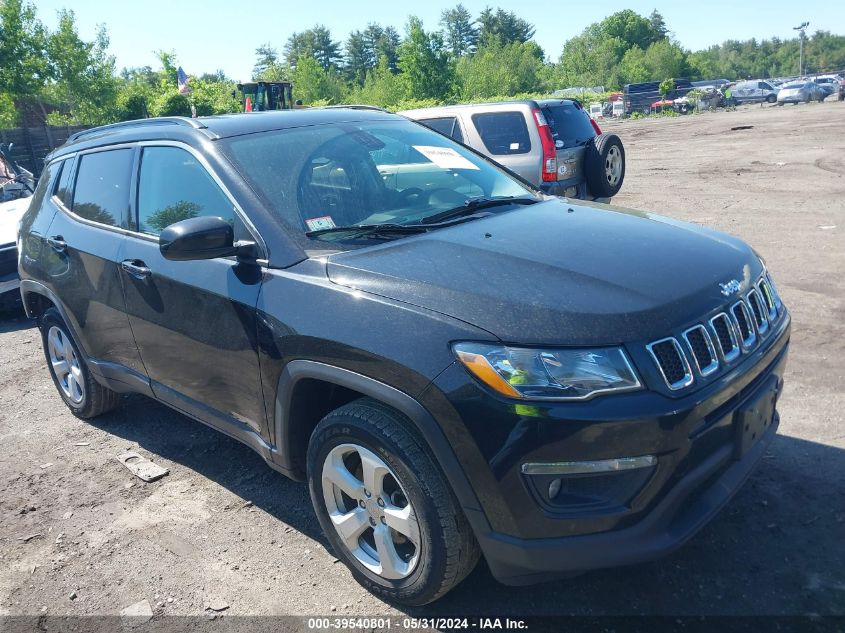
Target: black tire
column 600, row 182
column 771, row 98
column 96, row 399
column 448, row 550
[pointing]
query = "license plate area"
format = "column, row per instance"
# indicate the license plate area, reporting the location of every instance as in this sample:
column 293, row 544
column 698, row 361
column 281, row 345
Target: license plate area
column 752, row 420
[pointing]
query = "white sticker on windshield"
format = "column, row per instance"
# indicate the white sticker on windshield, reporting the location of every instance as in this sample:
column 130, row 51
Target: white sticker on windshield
column 444, row 157
column 323, row 222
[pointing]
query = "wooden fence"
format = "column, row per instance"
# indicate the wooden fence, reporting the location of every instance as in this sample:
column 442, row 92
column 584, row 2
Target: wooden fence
column 32, row 144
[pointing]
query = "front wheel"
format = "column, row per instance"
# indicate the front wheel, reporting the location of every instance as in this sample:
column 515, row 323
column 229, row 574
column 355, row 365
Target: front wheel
column 771, row 99
column 385, row 507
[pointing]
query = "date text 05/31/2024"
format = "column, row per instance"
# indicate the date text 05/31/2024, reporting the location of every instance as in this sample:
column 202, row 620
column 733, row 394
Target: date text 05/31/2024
column 414, row 624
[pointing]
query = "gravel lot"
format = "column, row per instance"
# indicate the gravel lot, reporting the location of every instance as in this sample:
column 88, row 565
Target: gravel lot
column 224, row 530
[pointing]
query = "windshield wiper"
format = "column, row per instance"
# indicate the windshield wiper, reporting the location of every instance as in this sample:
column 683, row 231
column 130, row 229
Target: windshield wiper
column 365, row 230
column 473, row 205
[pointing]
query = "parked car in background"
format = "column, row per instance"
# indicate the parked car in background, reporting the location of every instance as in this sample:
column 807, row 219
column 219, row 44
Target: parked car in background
column 15, row 181
column 458, row 365
column 754, row 91
column 802, row 91
column 553, row 144
column 11, row 213
column 639, row 97
column 829, row 83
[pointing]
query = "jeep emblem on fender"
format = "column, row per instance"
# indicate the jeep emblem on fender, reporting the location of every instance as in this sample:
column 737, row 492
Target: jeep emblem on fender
column 730, row 288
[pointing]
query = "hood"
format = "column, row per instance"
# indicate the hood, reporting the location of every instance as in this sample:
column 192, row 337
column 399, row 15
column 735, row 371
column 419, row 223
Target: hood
column 11, row 213
column 555, row 273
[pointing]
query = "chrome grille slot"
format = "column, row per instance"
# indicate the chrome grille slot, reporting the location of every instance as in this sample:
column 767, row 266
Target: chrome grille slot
column 672, row 362
column 701, row 347
column 775, row 293
column 742, row 320
column 768, row 296
column 725, row 336
column 758, row 311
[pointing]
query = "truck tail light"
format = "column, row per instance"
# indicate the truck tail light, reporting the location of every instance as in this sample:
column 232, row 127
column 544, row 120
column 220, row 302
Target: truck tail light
column 548, row 143
column 595, row 126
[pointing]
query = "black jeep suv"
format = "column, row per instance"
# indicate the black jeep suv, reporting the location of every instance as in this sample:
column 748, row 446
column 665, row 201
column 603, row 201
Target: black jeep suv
column 458, row 365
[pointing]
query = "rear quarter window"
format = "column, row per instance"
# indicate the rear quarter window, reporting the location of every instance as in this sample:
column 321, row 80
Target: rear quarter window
column 445, row 125
column 503, row 133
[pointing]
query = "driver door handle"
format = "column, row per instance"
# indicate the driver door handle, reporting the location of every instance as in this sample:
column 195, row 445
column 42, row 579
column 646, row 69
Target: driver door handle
column 57, row 243
column 136, row 268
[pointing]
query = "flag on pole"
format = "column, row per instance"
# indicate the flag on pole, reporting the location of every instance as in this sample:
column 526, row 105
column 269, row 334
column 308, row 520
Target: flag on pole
column 182, row 80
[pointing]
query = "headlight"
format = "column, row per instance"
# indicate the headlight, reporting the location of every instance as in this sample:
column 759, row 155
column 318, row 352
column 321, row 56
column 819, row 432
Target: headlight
column 548, row 374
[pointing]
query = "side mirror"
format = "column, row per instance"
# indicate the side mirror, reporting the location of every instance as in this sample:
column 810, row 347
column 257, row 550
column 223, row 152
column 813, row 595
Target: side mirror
column 198, row 238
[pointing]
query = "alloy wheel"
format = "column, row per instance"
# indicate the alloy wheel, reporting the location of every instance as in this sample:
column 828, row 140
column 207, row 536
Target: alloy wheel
column 65, row 365
column 370, row 511
column 613, row 165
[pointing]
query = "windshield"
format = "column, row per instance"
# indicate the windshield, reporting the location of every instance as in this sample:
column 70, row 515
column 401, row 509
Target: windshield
column 793, row 86
column 365, row 173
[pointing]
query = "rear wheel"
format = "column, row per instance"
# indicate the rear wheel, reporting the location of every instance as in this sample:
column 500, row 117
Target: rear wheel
column 84, row 396
column 385, row 507
column 605, row 165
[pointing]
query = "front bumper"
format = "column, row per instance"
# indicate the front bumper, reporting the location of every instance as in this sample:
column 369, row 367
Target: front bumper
column 684, row 510
column 699, row 467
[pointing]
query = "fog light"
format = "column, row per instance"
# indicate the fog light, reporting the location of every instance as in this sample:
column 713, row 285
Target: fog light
column 554, row 488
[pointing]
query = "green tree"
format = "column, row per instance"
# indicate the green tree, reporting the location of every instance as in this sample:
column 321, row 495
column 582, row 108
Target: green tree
column 665, row 58
column 500, row 69
column 314, row 85
column 315, row 42
column 595, row 56
column 459, row 31
column 84, row 74
column 23, row 60
column 503, row 26
column 266, row 57
column 164, row 217
column 658, row 24
column 426, row 69
column 382, row 87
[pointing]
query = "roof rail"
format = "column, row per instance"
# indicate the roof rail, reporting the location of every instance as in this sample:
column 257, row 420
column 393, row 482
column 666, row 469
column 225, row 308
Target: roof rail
column 355, row 106
column 164, row 120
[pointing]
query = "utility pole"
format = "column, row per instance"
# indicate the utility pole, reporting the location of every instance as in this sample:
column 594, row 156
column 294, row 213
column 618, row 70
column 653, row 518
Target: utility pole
column 801, row 31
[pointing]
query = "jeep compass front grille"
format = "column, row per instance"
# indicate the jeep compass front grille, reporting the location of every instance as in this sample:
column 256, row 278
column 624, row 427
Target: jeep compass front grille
column 720, row 341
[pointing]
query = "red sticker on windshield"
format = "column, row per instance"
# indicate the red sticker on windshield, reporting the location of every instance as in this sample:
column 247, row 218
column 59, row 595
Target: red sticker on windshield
column 317, row 224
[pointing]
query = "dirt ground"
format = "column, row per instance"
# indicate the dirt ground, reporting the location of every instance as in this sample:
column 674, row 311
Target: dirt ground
column 224, row 530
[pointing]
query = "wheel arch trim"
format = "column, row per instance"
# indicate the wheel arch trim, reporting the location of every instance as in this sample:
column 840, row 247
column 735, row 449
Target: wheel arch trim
column 423, row 421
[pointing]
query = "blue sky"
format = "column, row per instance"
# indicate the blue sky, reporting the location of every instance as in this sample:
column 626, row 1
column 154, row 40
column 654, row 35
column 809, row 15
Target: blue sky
column 224, row 34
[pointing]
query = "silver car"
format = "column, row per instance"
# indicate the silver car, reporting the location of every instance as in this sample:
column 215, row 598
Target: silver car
column 552, row 143
column 802, row 91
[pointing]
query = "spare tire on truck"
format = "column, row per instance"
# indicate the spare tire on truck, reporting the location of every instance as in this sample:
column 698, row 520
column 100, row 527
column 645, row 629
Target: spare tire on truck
column 605, row 165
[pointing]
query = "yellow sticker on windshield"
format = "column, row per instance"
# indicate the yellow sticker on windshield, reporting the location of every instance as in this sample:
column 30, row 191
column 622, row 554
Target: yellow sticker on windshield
column 444, row 157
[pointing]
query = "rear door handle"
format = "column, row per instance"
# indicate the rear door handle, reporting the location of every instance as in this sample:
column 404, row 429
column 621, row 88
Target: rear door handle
column 136, row 268
column 57, row 243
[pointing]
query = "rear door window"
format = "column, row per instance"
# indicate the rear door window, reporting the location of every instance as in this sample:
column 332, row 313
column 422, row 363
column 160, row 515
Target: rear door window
column 569, row 124
column 503, row 133
column 445, row 125
column 102, row 187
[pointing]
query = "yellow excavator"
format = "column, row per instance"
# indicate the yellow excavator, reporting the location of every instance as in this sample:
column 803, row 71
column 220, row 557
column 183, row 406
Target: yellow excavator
column 258, row 96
